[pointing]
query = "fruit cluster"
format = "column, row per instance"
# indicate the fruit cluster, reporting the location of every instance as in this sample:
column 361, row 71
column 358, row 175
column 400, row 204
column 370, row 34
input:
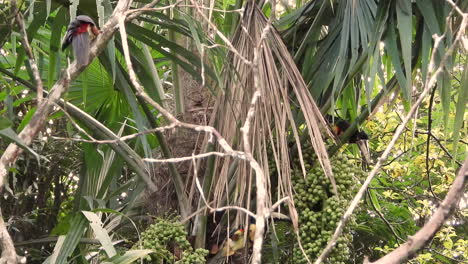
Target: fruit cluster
column 168, row 240
column 320, row 209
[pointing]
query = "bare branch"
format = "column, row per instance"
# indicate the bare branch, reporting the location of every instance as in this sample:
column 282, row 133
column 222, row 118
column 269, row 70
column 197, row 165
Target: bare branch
column 8, row 248
column 29, row 52
column 187, row 158
column 259, row 175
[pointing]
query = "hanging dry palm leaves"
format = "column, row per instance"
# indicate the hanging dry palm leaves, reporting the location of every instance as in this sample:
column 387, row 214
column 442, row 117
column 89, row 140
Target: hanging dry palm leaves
column 273, row 126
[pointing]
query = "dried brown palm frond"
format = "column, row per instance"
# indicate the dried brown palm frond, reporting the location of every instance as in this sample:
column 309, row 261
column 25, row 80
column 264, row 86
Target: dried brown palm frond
column 274, row 123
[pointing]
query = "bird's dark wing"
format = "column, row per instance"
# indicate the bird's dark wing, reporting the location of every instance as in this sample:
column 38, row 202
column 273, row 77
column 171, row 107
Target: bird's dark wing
column 67, row 40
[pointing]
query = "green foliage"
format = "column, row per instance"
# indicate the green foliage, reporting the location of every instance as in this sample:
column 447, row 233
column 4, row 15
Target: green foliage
column 320, row 210
column 415, row 178
column 279, row 242
column 168, row 240
column 349, row 53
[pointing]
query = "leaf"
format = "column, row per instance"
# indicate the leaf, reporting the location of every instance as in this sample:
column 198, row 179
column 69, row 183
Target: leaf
column 100, row 12
column 110, row 48
column 375, row 200
column 77, row 228
column 448, row 243
column 425, row 51
column 129, row 256
column 460, row 109
column 100, row 233
column 141, row 121
column 405, row 27
column 48, row 4
column 149, row 38
column 168, row 23
column 5, row 122
column 26, row 119
column 194, row 32
column 147, row 72
column 391, row 47
column 57, row 249
column 344, row 39
column 430, row 19
column 54, row 48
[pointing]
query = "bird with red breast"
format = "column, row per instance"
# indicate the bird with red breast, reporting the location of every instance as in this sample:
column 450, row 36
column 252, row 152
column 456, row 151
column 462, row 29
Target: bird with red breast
column 79, row 34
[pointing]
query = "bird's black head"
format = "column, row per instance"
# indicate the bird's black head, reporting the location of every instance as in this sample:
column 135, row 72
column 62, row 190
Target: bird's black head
column 361, row 135
column 358, row 136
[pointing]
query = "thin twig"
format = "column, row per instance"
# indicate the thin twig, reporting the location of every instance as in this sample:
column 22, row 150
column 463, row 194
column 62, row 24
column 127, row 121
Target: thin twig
column 187, row 158
column 428, row 142
column 384, row 219
column 438, row 141
column 29, row 52
column 123, row 138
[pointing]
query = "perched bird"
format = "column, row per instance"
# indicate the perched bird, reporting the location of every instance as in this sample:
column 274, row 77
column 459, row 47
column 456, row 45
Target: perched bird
column 252, row 229
column 80, row 32
column 360, row 138
column 234, row 243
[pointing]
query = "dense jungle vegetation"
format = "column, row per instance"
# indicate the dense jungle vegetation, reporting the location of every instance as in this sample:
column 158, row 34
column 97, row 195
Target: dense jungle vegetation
column 233, row 131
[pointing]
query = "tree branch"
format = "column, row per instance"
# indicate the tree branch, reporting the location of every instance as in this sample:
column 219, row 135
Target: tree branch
column 428, row 142
column 8, row 249
column 29, row 52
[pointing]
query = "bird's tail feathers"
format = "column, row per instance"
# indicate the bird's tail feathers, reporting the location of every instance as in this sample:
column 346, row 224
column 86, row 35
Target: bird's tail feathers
column 81, row 48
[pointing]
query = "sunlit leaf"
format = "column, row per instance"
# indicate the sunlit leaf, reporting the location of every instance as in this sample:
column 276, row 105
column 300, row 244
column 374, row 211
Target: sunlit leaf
column 100, row 233
column 129, row 256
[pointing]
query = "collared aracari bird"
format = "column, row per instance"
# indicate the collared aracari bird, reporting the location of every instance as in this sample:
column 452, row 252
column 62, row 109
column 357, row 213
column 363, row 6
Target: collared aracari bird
column 80, row 32
column 235, row 242
column 360, row 138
